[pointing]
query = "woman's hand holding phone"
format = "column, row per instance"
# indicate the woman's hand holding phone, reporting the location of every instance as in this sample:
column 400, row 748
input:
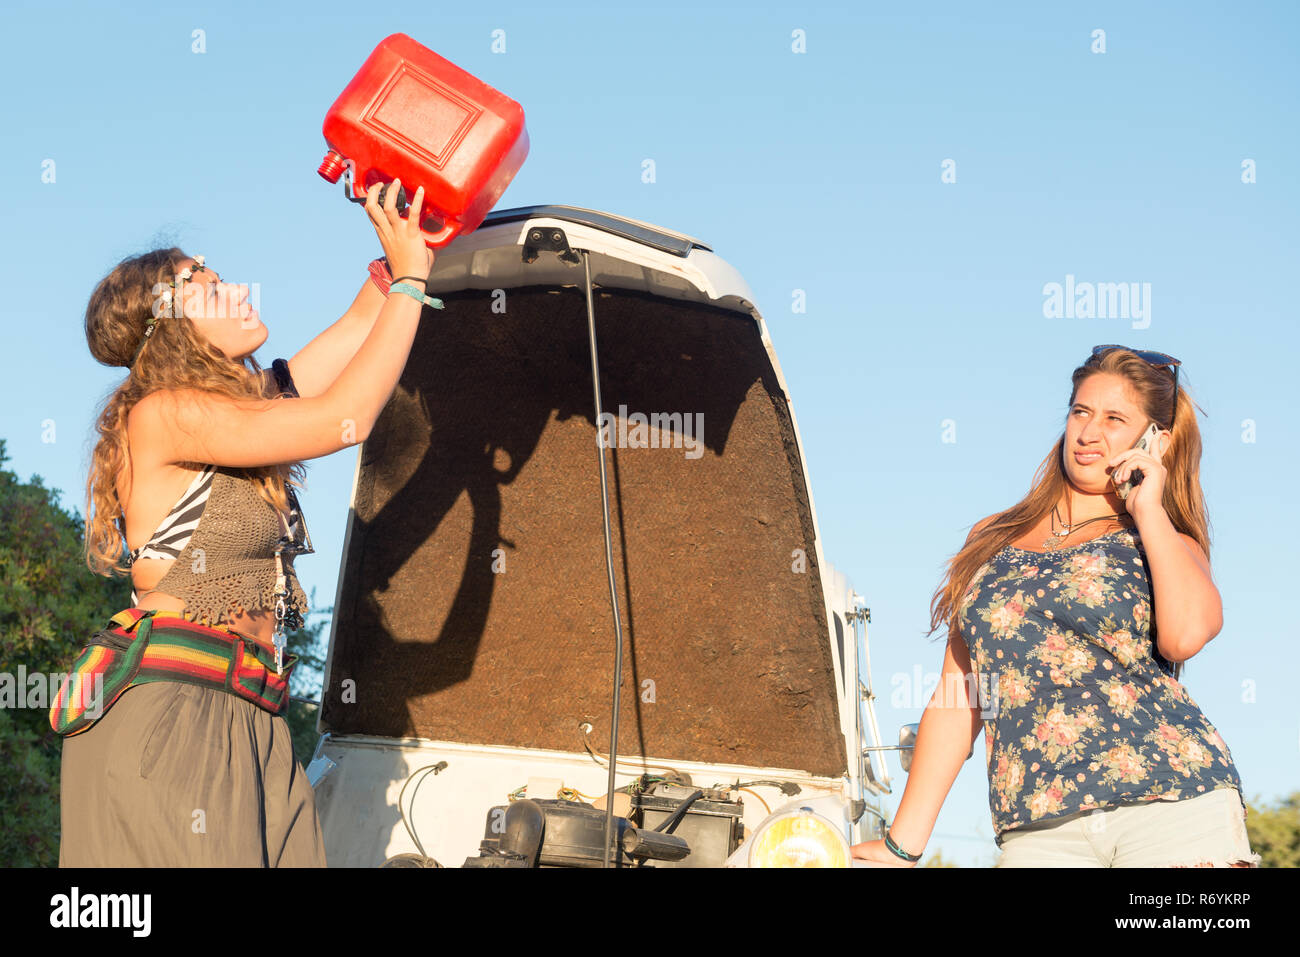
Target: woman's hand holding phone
column 1137, row 474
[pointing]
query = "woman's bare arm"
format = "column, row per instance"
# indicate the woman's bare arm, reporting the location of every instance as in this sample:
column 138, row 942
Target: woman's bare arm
column 949, row 726
column 194, row 426
column 317, row 364
column 191, row 425
column 1188, row 606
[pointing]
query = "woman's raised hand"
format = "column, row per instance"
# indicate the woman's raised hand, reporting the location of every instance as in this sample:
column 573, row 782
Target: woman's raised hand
column 403, row 243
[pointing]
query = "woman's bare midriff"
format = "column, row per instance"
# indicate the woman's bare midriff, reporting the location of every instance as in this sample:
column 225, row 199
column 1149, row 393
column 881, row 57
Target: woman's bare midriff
column 258, row 625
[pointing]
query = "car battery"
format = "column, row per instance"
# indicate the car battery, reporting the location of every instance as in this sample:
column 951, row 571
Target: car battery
column 712, row 824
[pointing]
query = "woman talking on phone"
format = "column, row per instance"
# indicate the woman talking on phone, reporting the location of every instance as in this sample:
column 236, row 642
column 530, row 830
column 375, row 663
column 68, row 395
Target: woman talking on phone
column 1070, row 615
column 183, row 756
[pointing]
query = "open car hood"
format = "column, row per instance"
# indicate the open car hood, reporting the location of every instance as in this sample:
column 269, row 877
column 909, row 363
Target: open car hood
column 473, row 600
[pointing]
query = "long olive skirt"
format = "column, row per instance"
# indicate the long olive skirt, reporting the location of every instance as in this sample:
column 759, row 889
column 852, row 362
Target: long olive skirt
column 178, row 775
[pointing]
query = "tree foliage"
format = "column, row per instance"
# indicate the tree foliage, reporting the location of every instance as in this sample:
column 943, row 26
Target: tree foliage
column 50, row 602
column 1274, row 831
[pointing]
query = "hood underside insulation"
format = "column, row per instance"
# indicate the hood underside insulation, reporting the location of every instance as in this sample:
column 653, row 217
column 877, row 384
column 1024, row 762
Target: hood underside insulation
column 475, row 599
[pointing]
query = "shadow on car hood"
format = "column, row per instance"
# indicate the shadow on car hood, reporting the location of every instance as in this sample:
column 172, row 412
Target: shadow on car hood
column 473, row 600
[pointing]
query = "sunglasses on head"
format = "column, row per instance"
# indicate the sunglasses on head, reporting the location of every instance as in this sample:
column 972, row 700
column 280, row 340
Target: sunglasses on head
column 1157, row 359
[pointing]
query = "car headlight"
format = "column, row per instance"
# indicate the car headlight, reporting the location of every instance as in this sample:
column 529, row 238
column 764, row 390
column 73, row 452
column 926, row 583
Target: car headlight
column 799, row 837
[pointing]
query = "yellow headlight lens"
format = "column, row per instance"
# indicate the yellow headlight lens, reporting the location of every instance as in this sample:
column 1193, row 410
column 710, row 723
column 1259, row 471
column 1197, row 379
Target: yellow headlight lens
column 799, row 839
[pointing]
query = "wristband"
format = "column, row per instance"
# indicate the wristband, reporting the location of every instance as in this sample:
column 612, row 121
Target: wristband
column 895, row 849
column 409, row 290
column 380, row 275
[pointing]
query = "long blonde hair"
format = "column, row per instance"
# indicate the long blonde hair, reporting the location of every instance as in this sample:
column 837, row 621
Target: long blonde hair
column 176, row 356
column 1183, row 499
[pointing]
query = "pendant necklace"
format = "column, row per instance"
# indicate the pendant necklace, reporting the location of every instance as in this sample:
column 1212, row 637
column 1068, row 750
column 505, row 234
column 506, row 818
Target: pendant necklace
column 1057, row 539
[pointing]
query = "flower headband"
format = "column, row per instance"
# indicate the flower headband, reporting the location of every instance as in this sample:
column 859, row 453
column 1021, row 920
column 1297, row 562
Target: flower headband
column 167, row 299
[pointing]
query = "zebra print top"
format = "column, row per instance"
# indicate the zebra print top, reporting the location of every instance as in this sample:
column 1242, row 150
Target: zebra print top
column 176, row 530
column 174, row 533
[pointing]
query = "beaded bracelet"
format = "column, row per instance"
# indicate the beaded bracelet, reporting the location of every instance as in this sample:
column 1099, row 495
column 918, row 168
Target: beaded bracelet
column 382, row 278
column 889, row 843
column 380, row 275
column 407, row 289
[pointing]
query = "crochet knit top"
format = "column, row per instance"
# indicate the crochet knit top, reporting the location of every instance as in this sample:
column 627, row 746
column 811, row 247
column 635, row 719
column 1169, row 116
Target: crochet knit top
column 222, row 535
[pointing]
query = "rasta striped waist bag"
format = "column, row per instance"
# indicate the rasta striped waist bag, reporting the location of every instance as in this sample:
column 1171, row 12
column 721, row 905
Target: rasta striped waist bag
column 138, row 646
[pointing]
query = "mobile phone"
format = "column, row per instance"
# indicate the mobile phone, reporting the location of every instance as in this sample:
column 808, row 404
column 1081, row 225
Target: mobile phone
column 1146, row 442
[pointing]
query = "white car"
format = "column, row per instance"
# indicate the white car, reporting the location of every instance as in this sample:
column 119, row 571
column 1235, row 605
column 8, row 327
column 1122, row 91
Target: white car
column 468, row 693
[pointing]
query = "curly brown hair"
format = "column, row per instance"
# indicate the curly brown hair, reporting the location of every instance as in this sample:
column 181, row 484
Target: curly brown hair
column 176, row 356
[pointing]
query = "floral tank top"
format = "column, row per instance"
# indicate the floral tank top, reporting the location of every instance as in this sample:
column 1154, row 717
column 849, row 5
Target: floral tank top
column 1081, row 710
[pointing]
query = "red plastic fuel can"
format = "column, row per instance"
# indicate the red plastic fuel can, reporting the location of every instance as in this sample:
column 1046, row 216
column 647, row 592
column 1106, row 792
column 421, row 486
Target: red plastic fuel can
column 410, row 114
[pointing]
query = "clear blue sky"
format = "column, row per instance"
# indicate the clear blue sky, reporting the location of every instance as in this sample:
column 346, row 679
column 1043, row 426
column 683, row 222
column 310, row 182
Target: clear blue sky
column 819, row 171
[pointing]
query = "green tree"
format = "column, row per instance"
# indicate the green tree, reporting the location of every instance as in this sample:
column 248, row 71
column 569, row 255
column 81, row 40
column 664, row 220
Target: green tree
column 29, row 796
column 307, row 680
column 50, row 602
column 1274, row 831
